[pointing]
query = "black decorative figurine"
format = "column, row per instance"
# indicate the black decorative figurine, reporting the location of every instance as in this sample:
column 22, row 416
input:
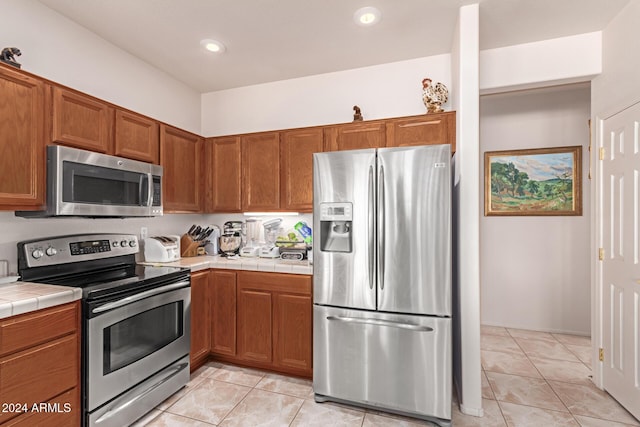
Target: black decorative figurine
column 7, row 56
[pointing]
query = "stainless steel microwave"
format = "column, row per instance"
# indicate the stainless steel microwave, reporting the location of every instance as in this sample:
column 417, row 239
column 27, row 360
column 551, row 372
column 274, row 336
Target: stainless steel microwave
column 84, row 183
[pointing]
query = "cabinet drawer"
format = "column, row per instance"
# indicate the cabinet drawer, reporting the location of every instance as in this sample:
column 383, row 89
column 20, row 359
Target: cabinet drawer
column 38, row 374
column 61, row 411
column 275, row 282
column 31, row 329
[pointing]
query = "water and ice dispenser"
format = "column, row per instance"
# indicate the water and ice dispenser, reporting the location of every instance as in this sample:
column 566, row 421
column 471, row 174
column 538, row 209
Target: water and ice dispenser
column 336, row 222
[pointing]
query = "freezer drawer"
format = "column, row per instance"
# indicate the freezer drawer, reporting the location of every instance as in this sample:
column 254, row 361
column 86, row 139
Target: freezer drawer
column 397, row 362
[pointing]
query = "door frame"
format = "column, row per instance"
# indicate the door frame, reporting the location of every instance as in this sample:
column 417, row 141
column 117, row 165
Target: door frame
column 597, row 141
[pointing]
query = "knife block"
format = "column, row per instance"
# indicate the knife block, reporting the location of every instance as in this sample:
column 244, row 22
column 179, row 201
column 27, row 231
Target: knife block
column 188, row 248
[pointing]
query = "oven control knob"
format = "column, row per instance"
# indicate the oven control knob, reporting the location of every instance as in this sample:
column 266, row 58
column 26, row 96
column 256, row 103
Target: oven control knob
column 132, row 243
column 51, row 251
column 37, row 253
column 123, row 244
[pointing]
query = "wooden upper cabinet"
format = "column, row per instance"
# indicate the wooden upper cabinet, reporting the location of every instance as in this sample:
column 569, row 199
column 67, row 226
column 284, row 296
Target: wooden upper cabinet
column 22, row 162
column 136, row 137
column 81, row 121
column 223, row 165
column 296, row 167
column 354, row 136
column 261, row 171
column 428, row 129
column 181, row 158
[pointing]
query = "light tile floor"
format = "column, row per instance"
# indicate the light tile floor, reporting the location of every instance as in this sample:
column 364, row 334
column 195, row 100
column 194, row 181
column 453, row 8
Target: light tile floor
column 529, row 379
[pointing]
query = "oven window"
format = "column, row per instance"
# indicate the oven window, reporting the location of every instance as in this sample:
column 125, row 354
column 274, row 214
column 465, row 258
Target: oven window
column 138, row 336
column 99, row 185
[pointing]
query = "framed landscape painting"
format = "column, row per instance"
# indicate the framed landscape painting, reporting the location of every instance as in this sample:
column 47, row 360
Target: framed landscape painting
column 544, row 181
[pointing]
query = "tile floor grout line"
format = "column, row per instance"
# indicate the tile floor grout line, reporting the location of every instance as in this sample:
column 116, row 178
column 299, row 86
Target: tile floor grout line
column 234, row 406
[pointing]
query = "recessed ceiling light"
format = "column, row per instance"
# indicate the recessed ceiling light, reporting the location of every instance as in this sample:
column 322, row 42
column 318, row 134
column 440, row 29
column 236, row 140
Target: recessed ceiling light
column 367, row 16
column 212, row 45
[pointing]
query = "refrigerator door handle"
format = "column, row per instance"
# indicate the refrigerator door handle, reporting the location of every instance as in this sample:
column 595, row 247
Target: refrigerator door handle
column 372, row 222
column 381, row 227
column 379, row 322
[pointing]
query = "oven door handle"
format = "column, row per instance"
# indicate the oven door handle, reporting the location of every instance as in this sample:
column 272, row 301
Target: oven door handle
column 170, row 373
column 140, row 296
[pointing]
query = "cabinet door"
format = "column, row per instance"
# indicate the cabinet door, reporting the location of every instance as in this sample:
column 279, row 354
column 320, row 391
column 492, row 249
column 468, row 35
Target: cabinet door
column 22, row 162
column 428, row 129
column 66, row 412
column 81, row 121
column 223, row 157
column 355, row 136
column 296, row 167
column 180, row 157
column 254, row 325
column 293, row 333
column 39, row 373
column 223, row 312
column 261, row 172
column 136, row 137
column 200, row 320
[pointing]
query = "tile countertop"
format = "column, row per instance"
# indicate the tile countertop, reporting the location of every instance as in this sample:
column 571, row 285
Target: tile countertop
column 255, row 264
column 23, row 297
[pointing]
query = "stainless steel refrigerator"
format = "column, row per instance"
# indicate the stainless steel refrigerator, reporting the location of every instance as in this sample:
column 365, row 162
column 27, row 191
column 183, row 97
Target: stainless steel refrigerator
column 382, row 279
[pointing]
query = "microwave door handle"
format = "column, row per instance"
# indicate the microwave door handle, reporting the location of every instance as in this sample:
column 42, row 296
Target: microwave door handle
column 141, row 180
column 149, row 190
column 141, row 187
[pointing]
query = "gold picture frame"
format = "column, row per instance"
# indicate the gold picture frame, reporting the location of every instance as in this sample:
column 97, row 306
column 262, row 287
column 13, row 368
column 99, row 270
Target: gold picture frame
column 540, row 181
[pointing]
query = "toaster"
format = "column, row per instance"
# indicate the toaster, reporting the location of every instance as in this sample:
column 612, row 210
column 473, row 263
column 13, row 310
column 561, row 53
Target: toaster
column 162, row 248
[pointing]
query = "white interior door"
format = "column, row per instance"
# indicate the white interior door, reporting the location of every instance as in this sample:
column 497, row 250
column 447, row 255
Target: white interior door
column 620, row 184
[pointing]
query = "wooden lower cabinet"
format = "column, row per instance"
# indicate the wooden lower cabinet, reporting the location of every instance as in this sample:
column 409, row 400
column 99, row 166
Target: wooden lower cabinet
column 40, row 367
column 255, row 337
column 222, row 288
column 200, row 320
column 262, row 320
column 292, row 327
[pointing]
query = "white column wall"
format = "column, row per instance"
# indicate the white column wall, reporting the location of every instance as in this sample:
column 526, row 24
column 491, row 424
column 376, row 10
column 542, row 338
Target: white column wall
column 467, row 369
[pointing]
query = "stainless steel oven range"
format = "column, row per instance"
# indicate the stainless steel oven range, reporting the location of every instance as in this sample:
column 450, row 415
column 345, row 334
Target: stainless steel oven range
column 136, row 321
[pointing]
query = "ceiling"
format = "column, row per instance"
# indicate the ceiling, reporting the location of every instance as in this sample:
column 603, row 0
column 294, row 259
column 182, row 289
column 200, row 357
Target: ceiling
column 270, row 40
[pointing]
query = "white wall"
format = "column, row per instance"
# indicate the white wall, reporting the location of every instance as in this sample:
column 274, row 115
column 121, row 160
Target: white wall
column 14, row 229
column 381, row 91
column 57, row 49
column 619, row 86
column 466, row 274
column 549, row 62
column 534, row 270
